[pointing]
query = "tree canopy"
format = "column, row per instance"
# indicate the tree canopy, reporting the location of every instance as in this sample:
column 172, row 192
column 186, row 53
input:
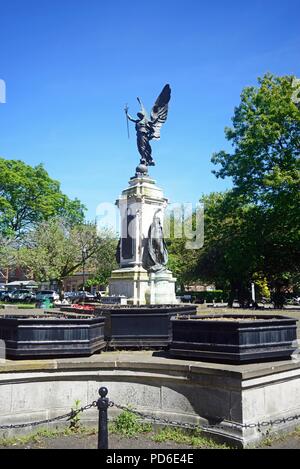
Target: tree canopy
column 266, row 140
column 29, row 196
column 253, row 230
column 55, row 250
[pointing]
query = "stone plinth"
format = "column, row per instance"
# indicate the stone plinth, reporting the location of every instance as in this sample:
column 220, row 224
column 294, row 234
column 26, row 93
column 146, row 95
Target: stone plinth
column 162, row 288
column 131, row 282
column 138, row 204
column 228, row 401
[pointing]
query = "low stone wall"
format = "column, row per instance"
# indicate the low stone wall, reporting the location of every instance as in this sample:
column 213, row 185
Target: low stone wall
column 197, row 392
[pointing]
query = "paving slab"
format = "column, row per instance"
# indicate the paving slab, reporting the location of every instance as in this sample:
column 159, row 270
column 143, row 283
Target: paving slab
column 149, row 360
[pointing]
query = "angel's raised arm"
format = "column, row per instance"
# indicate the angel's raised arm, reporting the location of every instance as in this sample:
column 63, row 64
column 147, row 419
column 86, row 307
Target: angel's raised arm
column 130, row 118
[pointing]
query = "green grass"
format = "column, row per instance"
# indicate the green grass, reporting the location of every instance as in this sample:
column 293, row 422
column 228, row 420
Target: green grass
column 269, row 440
column 296, row 432
column 195, row 438
column 127, row 424
column 19, row 305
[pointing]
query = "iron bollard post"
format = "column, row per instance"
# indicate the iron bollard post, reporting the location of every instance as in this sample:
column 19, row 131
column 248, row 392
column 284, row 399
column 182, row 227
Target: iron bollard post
column 103, row 404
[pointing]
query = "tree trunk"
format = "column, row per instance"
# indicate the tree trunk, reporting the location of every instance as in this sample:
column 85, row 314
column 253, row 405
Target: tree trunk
column 244, row 296
column 278, row 297
column 61, row 292
column 231, row 295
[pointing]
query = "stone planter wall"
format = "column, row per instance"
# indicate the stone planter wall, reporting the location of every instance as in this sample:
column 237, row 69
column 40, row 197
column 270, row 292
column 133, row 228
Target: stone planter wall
column 196, row 393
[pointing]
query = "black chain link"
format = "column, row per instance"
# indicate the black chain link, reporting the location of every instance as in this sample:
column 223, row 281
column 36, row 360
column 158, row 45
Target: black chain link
column 71, row 415
column 190, row 426
column 230, row 424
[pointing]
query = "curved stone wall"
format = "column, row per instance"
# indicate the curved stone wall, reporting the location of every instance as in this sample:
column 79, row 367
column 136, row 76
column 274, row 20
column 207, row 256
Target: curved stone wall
column 176, row 390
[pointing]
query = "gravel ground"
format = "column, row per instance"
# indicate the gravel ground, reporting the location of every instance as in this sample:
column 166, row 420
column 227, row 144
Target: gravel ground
column 292, row 442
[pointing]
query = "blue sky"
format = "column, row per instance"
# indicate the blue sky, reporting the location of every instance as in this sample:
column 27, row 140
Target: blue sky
column 71, row 65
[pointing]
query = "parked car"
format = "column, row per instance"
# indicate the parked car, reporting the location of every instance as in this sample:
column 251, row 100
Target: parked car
column 185, row 298
column 47, row 295
column 79, row 296
column 293, row 301
column 103, row 293
column 22, row 295
column 5, row 295
column 85, row 295
column 70, row 295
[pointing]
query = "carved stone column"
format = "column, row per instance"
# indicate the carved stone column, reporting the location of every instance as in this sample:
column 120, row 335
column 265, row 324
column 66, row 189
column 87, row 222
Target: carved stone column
column 138, row 204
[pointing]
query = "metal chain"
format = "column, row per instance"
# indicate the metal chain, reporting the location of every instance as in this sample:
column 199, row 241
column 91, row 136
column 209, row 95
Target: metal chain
column 191, row 426
column 68, row 416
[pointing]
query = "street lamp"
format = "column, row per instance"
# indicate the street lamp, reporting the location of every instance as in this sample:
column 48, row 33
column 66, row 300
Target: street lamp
column 84, row 257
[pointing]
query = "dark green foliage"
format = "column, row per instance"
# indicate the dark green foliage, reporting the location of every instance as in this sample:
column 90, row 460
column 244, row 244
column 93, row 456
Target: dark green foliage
column 28, row 196
column 254, row 229
column 265, row 168
column 209, row 296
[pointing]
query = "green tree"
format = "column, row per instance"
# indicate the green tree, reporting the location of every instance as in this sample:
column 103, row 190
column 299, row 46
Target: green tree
column 181, row 259
column 29, row 196
column 8, row 255
column 266, row 140
column 229, row 255
column 104, row 260
column 54, row 250
column 265, row 168
column 253, row 231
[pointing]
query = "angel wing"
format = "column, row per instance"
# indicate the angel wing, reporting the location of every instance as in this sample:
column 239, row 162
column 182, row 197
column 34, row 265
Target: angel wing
column 159, row 112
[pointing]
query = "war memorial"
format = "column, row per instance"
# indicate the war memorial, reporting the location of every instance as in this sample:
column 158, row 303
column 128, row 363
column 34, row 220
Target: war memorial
column 236, row 377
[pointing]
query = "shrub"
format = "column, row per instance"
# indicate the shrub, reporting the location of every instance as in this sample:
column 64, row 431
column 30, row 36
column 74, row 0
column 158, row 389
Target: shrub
column 209, row 296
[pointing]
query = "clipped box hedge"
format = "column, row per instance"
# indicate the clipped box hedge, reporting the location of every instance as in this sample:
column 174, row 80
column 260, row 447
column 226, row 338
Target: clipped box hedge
column 209, row 296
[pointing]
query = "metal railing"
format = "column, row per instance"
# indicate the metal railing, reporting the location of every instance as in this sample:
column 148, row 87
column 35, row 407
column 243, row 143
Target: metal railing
column 103, row 404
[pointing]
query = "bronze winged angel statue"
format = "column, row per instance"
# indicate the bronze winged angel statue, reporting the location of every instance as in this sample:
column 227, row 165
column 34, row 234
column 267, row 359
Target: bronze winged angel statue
column 149, row 128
